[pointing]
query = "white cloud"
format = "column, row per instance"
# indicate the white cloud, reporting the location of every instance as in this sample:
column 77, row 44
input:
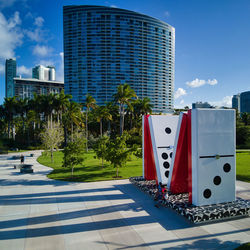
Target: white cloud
column 225, row 102
column 167, row 13
column 36, row 33
column 2, row 69
column 39, row 21
column 212, row 82
column 199, row 82
column 10, row 35
column 182, row 101
column 196, row 83
column 180, row 92
column 14, row 20
column 113, row 6
column 41, row 50
column 22, row 70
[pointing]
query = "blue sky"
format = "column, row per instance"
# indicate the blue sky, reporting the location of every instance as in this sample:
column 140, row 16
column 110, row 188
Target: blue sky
column 212, row 59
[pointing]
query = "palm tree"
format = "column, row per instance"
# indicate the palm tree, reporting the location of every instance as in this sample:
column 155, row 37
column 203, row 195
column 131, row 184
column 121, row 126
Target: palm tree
column 61, row 104
column 143, row 107
column 123, row 96
column 72, row 116
column 48, row 105
column 102, row 113
column 22, row 108
column 2, row 118
column 89, row 103
column 35, row 104
column 10, row 106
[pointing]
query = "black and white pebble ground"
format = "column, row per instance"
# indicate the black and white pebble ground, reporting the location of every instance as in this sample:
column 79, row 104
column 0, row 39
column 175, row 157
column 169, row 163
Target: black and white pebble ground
column 195, row 214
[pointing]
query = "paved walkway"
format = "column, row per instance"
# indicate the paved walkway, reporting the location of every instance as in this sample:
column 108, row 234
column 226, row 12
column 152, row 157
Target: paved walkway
column 39, row 213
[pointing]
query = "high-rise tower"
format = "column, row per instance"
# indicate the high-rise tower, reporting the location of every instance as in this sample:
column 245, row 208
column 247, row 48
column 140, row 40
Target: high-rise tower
column 105, row 47
column 10, row 73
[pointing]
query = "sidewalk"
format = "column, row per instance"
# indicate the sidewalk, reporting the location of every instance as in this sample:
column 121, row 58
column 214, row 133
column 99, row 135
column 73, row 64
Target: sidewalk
column 39, row 213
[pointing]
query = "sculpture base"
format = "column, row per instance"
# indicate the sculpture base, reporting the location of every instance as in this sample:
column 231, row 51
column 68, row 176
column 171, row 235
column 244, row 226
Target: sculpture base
column 195, row 214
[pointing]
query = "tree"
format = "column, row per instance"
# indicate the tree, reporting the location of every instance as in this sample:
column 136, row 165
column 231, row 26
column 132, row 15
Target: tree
column 123, row 97
column 245, row 117
column 143, row 107
column 72, row 116
column 100, row 147
column 52, row 137
column 102, row 113
column 118, row 153
column 10, row 106
column 89, row 103
column 61, row 104
column 48, row 105
column 74, row 153
column 22, row 107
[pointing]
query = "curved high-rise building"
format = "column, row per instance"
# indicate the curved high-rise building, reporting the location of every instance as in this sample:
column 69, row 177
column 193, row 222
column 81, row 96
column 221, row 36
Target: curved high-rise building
column 105, row 47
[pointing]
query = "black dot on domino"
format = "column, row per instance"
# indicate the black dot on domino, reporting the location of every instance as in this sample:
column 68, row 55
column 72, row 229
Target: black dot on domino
column 171, row 154
column 217, row 180
column 168, row 130
column 165, row 164
column 207, row 193
column 167, row 174
column 227, row 167
column 164, row 156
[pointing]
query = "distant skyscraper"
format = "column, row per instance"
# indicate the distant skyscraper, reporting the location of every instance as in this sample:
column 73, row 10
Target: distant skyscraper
column 242, row 102
column 10, row 73
column 44, row 73
column 105, row 47
column 245, row 102
column 236, row 102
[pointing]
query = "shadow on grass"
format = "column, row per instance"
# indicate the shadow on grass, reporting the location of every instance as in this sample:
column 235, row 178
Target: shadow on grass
column 79, row 176
column 243, row 178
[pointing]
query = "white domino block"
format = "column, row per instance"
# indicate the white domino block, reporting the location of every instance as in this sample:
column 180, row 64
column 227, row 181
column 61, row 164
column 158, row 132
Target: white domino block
column 213, row 156
column 163, row 131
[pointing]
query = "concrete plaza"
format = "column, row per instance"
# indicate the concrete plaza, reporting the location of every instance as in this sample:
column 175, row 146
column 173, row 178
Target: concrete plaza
column 39, row 213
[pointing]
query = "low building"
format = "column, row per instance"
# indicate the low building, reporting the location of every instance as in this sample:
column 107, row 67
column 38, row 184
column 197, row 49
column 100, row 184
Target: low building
column 201, row 105
column 25, row 87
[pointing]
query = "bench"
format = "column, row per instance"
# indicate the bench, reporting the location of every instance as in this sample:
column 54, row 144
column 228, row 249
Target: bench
column 26, row 168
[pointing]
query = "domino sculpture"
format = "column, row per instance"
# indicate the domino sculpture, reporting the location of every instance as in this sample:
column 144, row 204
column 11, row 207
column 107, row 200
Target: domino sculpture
column 192, row 153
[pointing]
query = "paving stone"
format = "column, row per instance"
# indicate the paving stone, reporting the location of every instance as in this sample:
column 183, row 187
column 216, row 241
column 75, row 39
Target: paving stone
column 39, row 213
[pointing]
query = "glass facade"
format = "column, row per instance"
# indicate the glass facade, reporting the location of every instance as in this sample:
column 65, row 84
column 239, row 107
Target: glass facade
column 105, row 47
column 245, row 102
column 10, row 73
column 236, row 102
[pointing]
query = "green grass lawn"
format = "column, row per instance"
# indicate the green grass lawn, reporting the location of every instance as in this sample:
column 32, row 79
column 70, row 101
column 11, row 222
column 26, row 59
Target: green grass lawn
column 92, row 170
column 243, row 165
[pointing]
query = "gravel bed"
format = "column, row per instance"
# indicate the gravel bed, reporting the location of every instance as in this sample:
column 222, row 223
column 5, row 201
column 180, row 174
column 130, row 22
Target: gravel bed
column 195, row 214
